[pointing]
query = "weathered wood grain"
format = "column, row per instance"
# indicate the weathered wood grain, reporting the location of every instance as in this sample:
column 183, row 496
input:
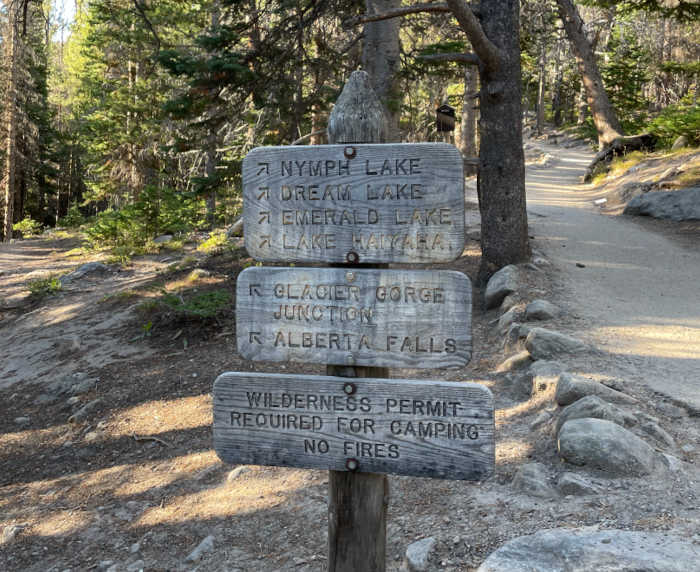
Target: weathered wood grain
column 371, row 203
column 391, row 318
column 432, row 429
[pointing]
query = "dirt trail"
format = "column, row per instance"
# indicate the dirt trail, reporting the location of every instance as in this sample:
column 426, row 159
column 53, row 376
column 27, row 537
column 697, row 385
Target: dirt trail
column 636, row 292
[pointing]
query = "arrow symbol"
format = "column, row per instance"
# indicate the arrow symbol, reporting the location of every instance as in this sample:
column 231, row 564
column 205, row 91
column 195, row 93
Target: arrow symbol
column 254, row 337
column 264, row 192
column 265, row 240
column 254, row 289
column 264, row 217
column 265, row 167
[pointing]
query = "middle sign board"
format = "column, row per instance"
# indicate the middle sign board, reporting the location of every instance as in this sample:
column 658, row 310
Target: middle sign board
column 382, row 317
column 388, row 203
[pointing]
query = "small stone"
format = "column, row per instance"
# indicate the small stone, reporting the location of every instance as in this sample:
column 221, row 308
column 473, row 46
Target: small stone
column 594, row 407
column 237, row 472
column 73, row 400
column 548, row 344
column 688, row 448
column 22, row 420
column 506, row 320
column 89, row 268
column 135, row 547
column 541, row 377
column 85, row 411
column 680, row 142
column 543, row 418
column 199, row 273
column 571, row 388
column 674, row 464
column 9, row 533
column 661, row 435
column 517, row 361
column 163, row 238
column 136, row 566
column 418, row 554
column 602, row 444
column 532, row 479
column 541, row 310
column 508, row 302
column 573, row 484
column 105, row 564
column 92, row 436
column 502, row 283
column 207, row 545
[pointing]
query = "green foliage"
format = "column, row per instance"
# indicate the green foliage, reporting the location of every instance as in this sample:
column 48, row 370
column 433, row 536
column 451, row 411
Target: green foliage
column 676, row 120
column 625, row 72
column 216, row 243
column 28, row 227
column 157, row 211
column 45, row 286
column 73, row 219
column 189, row 304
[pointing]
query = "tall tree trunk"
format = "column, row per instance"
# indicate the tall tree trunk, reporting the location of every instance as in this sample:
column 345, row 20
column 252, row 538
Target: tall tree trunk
column 468, row 126
column 10, row 170
column 501, row 181
column 604, row 117
column 541, row 88
column 380, row 59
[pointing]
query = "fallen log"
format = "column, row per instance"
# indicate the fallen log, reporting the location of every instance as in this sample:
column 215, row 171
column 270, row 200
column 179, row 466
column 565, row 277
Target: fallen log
column 620, row 146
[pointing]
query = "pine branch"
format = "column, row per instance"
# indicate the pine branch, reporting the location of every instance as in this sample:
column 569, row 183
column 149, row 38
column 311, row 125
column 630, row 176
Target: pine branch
column 405, row 11
column 466, row 58
column 487, row 51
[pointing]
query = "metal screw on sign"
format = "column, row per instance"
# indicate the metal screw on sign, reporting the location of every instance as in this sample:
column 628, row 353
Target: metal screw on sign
column 350, row 276
column 352, row 257
column 349, row 388
column 349, row 359
column 352, row 465
column 350, row 152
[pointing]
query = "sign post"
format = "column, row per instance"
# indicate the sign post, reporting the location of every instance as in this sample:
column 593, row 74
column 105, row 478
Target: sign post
column 354, row 204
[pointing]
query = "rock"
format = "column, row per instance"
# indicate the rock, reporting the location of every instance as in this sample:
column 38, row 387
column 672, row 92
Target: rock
column 602, row 444
column 89, row 268
column 163, row 238
column 571, row 388
column 547, row 344
column 237, row 472
column 594, row 407
column 418, row 554
column 508, row 302
column 506, row 320
column 532, row 479
column 579, row 550
column 674, row 464
column 199, row 273
column 136, row 566
column 541, row 377
column 661, row 435
column 9, row 533
column 688, row 448
column 541, row 261
column 573, row 484
column 541, row 310
column 502, row 283
column 92, row 436
column 75, row 384
column 135, row 547
column 677, row 206
column 236, row 229
column 207, row 545
column 543, row 418
column 513, row 338
column 521, row 359
column 85, row 411
column 680, row 142
column 22, row 420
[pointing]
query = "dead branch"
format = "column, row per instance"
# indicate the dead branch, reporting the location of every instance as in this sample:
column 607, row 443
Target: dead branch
column 466, row 58
column 487, row 51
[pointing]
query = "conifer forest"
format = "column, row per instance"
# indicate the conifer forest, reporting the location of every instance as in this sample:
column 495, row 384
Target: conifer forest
column 131, row 117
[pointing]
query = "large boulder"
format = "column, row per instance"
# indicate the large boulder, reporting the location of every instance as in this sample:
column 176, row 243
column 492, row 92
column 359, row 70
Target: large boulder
column 571, row 388
column 594, row 407
column 576, row 550
column 548, row 344
column 677, row 206
column 604, row 445
column 502, row 283
column 541, row 310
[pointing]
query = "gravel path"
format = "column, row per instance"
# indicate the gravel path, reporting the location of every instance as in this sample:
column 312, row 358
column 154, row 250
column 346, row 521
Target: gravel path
column 636, row 292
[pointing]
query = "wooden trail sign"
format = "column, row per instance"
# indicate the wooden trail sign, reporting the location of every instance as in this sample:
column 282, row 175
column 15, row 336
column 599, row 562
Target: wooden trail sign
column 372, row 203
column 433, row 429
column 379, row 317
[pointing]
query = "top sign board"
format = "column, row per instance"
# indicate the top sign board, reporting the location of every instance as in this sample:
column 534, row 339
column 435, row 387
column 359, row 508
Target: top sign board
column 374, row 203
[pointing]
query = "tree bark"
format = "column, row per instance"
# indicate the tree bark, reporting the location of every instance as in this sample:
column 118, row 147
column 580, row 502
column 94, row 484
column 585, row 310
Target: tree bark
column 9, row 174
column 380, row 59
column 541, row 88
column 501, row 180
column 604, row 116
column 468, row 126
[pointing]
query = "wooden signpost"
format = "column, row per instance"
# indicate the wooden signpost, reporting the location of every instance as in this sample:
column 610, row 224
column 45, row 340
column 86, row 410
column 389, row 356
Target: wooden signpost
column 354, row 203
column 407, row 427
column 393, row 318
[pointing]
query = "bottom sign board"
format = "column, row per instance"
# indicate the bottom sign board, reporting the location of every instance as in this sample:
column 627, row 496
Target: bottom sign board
column 435, row 429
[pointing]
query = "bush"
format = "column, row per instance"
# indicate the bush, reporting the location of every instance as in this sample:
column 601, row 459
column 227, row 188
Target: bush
column 28, row 227
column 676, row 120
column 40, row 287
column 157, row 211
column 215, row 244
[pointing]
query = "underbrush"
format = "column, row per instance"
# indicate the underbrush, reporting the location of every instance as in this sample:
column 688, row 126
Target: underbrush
column 44, row 286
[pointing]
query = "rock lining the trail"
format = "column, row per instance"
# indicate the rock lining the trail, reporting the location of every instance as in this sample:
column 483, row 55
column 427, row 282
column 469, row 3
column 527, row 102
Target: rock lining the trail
column 502, row 283
column 594, row 407
column 680, row 205
column 572, row 387
column 541, row 310
column 548, row 344
column 578, row 550
column 418, row 554
column 604, row 445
